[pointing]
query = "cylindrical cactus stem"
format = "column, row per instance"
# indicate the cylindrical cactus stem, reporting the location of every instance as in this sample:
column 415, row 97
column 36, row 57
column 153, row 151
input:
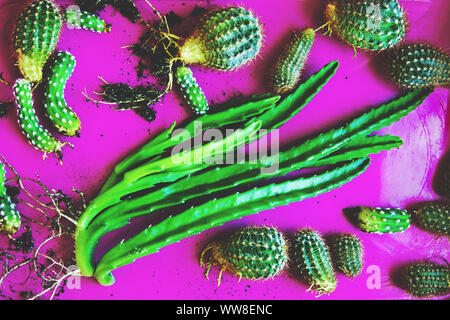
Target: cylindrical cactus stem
column 39, row 137
column 9, row 216
column 370, row 25
column 191, row 91
column 427, row 279
column 61, row 116
column 77, row 19
column 224, row 39
column 347, row 254
column 288, row 69
column 35, row 37
column 312, row 260
column 383, row 220
column 418, row 65
column 251, row 253
column 434, row 217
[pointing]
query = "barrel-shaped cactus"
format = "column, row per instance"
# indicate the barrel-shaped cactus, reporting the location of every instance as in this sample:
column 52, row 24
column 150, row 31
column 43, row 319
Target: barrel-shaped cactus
column 35, row 37
column 287, row 71
column 427, row 279
column 418, row 65
column 312, row 260
column 9, row 216
column 191, row 91
column 434, row 217
column 347, row 254
column 251, row 253
column 77, row 19
column 370, row 25
column 383, row 220
column 224, row 39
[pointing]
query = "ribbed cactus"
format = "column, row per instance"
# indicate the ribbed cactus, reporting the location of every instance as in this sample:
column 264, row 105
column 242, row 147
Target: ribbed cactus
column 191, row 91
column 9, row 216
column 224, row 39
column 77, row 19
column 427, row 279
column 287, row 71
column 347, row 254
column 370, row 24
column 35, row 37
column 61, row 116
column 434, row 217
column 383, row 220
column 418, row 65
column 251, row 253
column 312, row 259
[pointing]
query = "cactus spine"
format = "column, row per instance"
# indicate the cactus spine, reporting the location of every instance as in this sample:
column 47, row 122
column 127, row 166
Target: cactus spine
column 347, row 252
column 370, row 25
column 418, row 66
column 35, row 37
column 9, row 216
column 78, row 19
column 383, row 220
column 62, row 117
column 312, row 259
column 191, row 91
column 287, row 71
column 251, row 253
column 434, row 217
column 427, row 279
column 224, row 39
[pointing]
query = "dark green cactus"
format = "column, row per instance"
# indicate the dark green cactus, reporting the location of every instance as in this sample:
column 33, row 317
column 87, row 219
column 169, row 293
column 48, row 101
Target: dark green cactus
column 9, row 216
column 224, row 39
column 35, row 37
column 419, row 65
column 370, row 25
column 191, row 91
column 287, row 71
column 347, row 253
column 61, row 116
column 434, row 217
column 313, row 261
column 383, row 220
column 251, row 253
column 77, row 19
column 427, row 279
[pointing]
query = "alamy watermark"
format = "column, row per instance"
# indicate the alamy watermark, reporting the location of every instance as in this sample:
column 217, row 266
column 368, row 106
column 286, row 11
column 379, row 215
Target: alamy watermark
column 374, row 17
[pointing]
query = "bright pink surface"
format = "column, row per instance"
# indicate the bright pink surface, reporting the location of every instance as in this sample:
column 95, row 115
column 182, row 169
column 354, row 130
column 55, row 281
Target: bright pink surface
column 396, row 178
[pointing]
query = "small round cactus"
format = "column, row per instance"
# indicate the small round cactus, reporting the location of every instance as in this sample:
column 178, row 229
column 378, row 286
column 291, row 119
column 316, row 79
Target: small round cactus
column 347, row 253
column 191, row 91
column 9, row 216
column 77, row 19
column 287, row 71
column 427, row 279
column 35, row 37
column 434, row 217
column 383, row 220
column 225, row 39
column 61, row 116
column 312, row 259
column 418, row 66
column 251, row 253
column 369, row 25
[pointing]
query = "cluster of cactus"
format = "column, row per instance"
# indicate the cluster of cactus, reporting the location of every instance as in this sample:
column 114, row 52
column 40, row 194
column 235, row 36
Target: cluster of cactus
column 191, row 91
column 370, row 25
column 287, row 71
column 347, row 254
column 418, row 65
column 426, row 279
column 383, row 220
column 434, row 217
column 77, row 19
column 251, row 253
column 9, row 216
column 224, row 39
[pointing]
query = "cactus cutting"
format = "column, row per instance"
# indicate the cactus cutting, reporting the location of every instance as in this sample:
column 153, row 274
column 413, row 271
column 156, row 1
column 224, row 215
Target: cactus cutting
column 78, row 19
column 347, row 254
column 10, row 220
column 192, row 92
column 383, row 220
column 434, row 217
column 427, row 279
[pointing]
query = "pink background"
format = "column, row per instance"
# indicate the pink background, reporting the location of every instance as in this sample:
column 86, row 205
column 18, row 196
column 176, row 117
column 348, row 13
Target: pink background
column 395, row 178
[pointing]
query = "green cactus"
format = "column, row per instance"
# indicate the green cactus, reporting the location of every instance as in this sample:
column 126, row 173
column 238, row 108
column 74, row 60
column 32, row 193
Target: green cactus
column 35, row 37
column 78, row 19
column 9, row 216
column 370, row 25
column 383, row 220
column 434, row 217
column 61, row 116
column 427, row 279
column 191, row 91
column 251, row 253
column 347, row 253
column 313, row 261
column 287, row 71
column 419, row 65
column 225, row 39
